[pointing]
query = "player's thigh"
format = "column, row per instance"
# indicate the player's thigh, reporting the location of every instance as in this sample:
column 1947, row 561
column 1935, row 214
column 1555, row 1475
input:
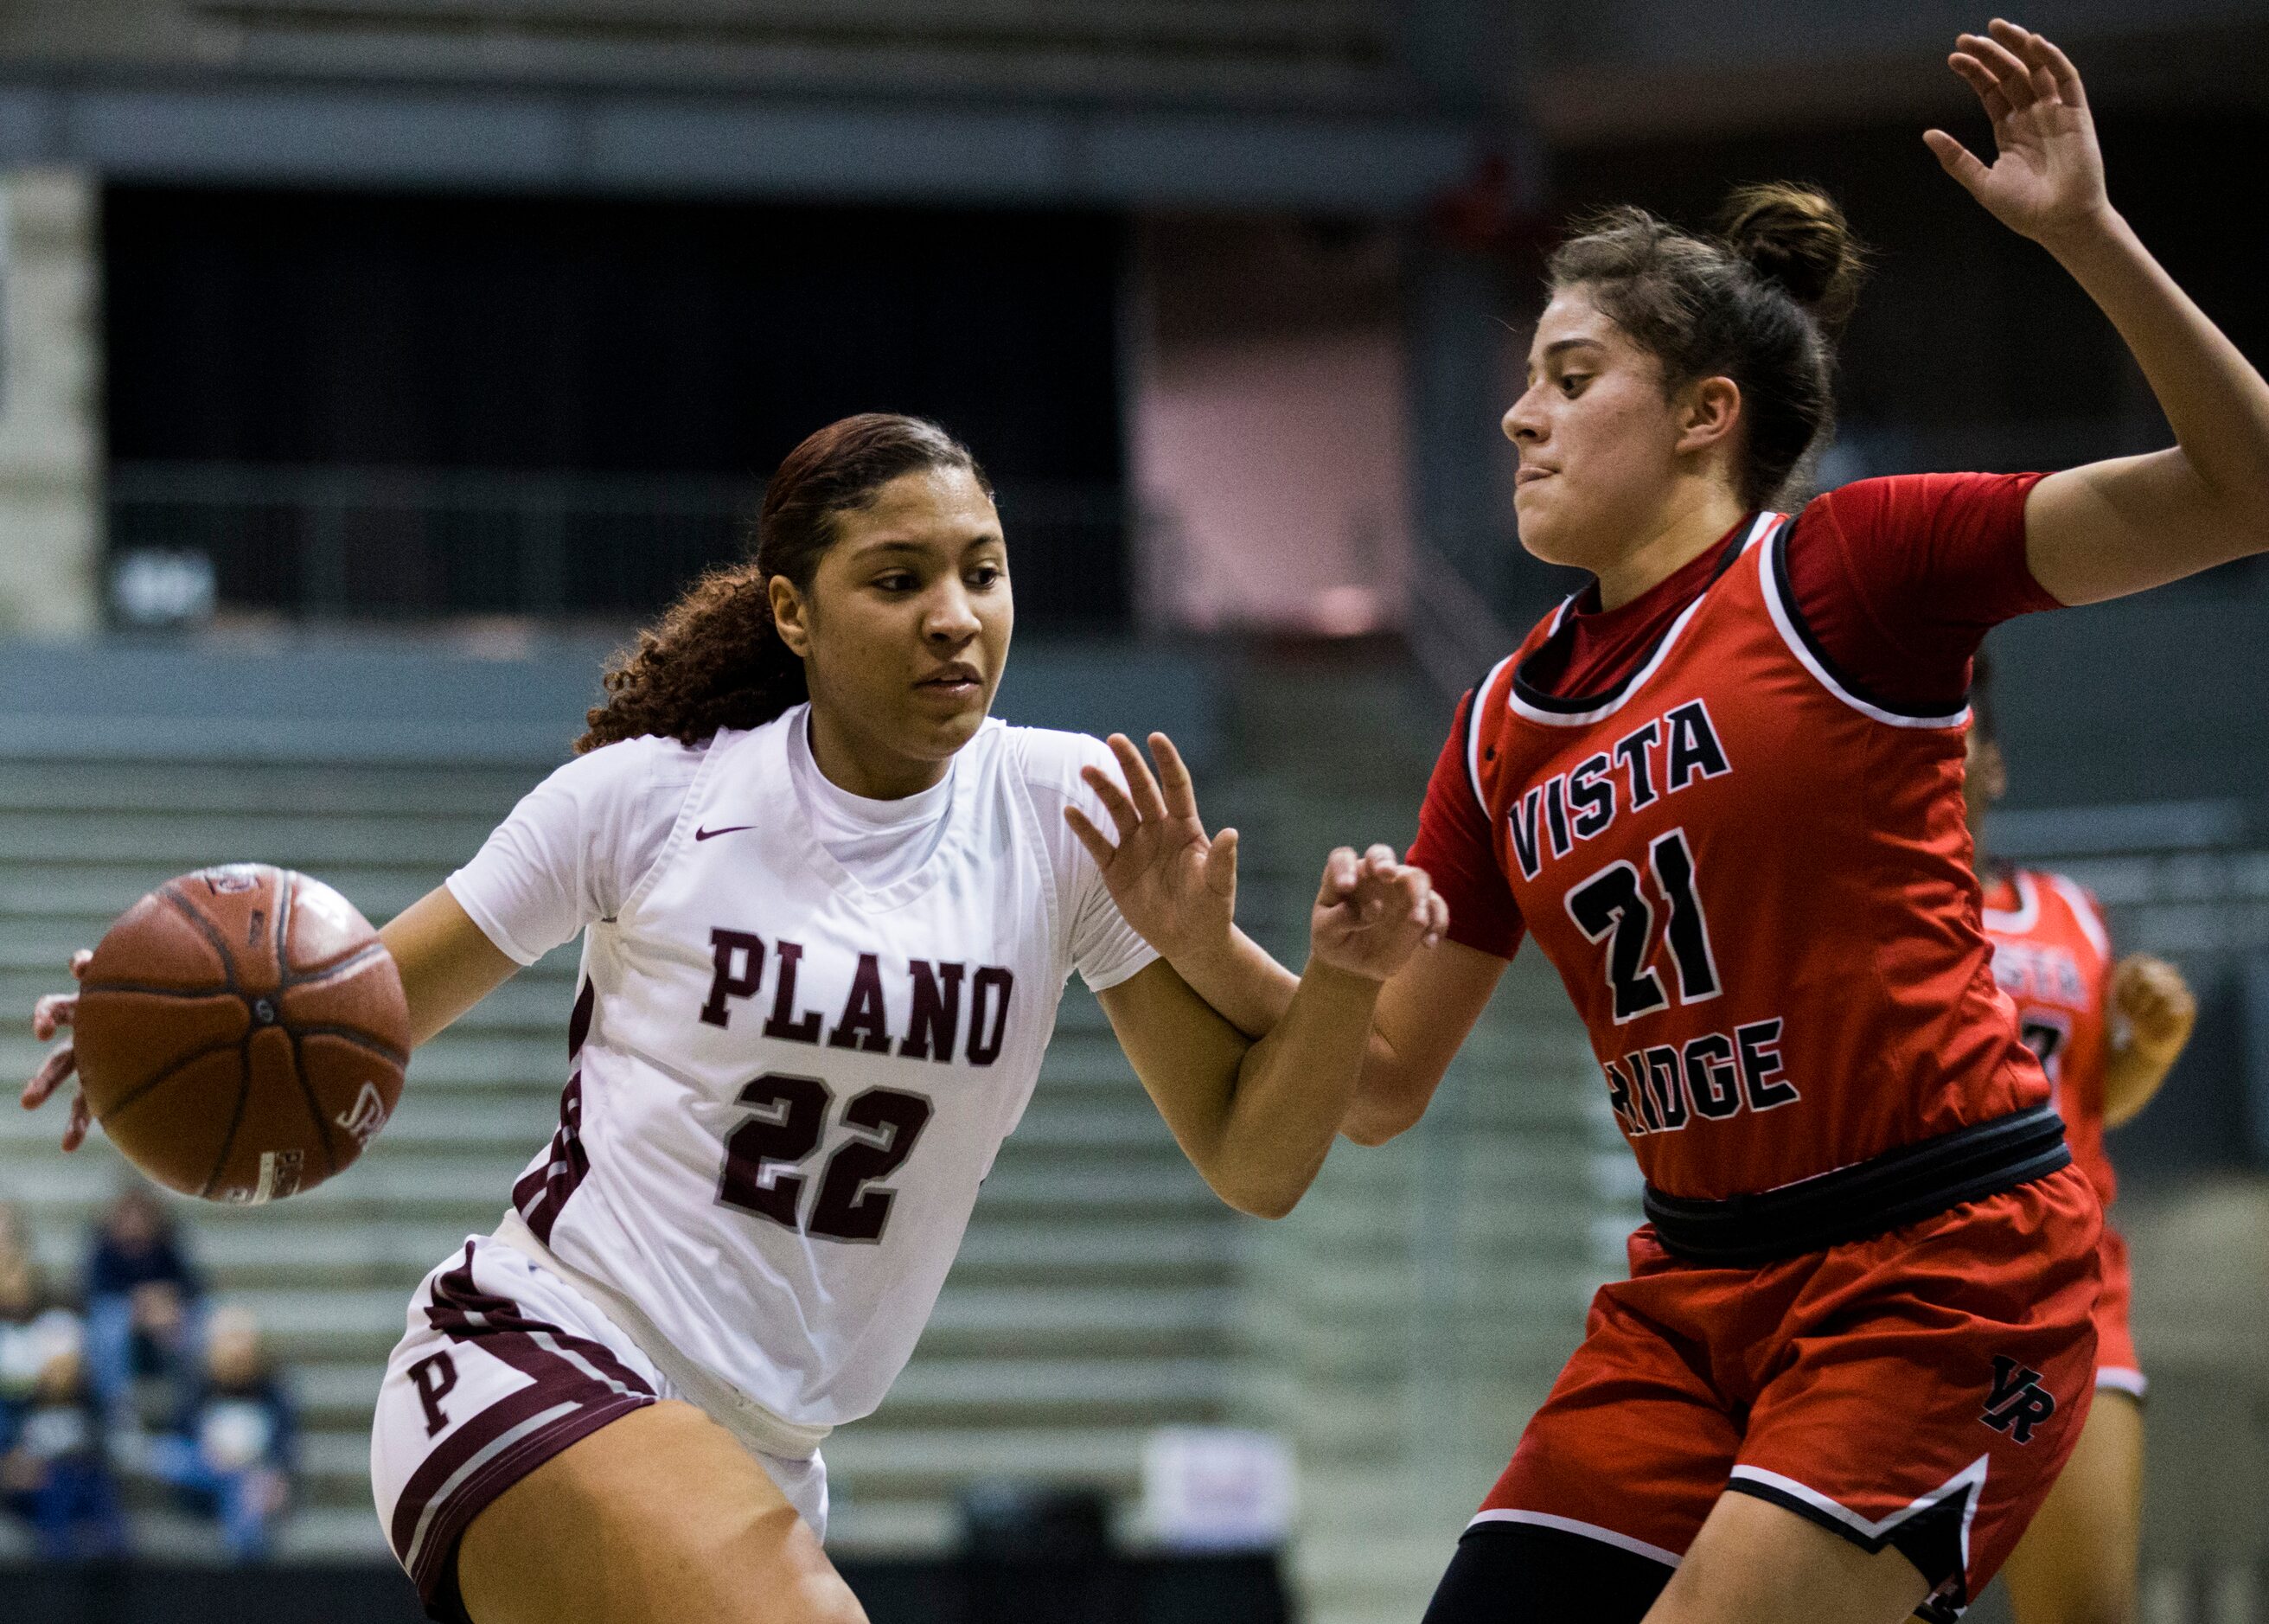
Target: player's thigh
column 655, row 1518
column 1755, row 1562
column 2076, row 1562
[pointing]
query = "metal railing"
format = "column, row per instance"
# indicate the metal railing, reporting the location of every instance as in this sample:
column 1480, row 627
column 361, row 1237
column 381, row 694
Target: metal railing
column 412, row 543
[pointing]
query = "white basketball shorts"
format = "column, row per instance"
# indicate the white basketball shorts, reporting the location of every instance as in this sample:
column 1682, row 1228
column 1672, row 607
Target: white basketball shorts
column 504, row 1365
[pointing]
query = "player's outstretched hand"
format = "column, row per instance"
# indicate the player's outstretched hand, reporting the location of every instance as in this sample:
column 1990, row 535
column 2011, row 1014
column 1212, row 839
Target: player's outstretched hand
column 2046, row 179
column 50, row 1016
column 2152, row 997
column 1175, row 884
column 1372, row 912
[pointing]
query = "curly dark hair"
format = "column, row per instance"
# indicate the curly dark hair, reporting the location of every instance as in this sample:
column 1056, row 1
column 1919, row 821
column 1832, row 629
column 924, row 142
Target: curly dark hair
column 714, row 659
column 1760, row 302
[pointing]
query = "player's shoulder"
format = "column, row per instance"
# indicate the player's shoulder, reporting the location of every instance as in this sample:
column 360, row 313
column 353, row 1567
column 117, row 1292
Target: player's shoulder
column 2078, row 904
column 648, row 760
column 1046, row 759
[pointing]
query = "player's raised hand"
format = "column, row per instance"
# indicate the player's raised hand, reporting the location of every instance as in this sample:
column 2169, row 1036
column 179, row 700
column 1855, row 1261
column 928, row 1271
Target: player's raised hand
column 1175, row 884
column 2152, row 997
column 2046, row 179
column 1372, row 912
column 50, row 1016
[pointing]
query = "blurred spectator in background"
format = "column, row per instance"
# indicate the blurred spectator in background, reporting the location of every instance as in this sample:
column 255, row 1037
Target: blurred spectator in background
column 53, row 1470
column 34, row 1325
column 231, row 1455
column 142, row 1309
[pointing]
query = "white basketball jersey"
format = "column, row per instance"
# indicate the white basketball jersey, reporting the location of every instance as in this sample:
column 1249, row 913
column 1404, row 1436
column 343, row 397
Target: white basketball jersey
column 788, row 1086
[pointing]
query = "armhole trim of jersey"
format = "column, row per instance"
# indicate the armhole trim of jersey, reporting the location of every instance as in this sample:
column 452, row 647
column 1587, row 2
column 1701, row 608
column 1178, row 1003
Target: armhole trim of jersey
column 1474, row 733
column 2020, row 920
column 688, row 814
column 2084, row 911
column 1780, row 602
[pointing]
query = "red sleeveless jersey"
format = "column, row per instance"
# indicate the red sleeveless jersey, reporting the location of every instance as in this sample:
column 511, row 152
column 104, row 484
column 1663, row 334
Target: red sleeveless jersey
column 1757, row 885
column 2052, row 955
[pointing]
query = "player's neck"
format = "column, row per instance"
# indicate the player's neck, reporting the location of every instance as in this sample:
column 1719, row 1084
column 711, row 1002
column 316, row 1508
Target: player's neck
column 1691, row 523
column 858, row 766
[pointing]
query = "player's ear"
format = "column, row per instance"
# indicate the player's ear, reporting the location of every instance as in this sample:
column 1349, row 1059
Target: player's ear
column 789, row 617
column 1707, row 410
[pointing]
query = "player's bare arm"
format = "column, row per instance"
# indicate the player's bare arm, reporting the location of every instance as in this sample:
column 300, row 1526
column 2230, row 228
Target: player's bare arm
column 447, row 965
column 2157, row 1011
column 2113, row 527
column 1256, row 1118
column 1178, row 886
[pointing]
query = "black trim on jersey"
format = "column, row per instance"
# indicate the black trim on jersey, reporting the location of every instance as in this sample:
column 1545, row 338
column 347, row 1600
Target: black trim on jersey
column 1469, row 740
column 1520, row 1570
column 1578, row 704
column 1868, row 1198
column 1931, row 1539
column 1778, row 563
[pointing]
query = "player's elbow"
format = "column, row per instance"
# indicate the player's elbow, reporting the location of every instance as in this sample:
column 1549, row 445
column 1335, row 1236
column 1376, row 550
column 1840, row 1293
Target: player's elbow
column 1259, row 1193
column 1384, row 1105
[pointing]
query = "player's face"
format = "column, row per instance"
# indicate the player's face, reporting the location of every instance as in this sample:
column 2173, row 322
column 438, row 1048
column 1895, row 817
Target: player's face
column 1597, row 437
column 903, row 631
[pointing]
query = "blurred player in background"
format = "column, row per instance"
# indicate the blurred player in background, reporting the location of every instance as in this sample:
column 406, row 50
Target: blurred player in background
column 1722, row 787
column 828, row 909
column 2107, row 1035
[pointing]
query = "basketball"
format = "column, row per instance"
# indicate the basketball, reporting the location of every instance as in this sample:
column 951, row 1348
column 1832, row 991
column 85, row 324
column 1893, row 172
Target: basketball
column 241, row 1033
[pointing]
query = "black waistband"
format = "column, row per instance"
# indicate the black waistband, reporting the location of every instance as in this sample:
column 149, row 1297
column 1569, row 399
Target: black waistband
column 1901, row 1186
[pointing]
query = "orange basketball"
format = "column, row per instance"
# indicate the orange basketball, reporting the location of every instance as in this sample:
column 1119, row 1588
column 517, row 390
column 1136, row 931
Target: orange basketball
column 241, row 1033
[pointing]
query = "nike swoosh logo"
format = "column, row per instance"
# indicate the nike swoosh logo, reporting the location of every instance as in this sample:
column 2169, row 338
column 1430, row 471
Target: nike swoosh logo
column 704, row 834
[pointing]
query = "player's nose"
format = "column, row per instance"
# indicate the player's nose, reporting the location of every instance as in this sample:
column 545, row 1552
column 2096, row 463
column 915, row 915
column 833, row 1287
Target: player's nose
column 950, row 616
column 1522, row 422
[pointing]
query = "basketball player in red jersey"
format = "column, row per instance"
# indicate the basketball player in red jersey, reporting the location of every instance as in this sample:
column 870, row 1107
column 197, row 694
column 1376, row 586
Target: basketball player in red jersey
column 1722, row 788
column 2107, row 1035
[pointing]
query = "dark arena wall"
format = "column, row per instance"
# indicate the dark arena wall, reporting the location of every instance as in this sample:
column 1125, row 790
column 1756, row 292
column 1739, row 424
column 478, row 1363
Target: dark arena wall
column 256, row 336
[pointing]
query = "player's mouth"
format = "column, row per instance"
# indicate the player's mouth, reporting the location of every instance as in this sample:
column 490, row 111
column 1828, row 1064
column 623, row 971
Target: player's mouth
column 955, row 682
column 1529, row 473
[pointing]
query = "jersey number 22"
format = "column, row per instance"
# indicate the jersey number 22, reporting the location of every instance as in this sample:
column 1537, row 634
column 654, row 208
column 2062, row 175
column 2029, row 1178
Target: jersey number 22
column 790, row 1120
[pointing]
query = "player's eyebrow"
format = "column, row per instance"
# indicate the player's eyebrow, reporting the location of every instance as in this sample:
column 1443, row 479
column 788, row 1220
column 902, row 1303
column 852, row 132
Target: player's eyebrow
column 1560, row 346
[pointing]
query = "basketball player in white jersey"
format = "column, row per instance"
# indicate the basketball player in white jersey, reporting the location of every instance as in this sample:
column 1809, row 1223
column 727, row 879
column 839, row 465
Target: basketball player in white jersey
column 827, row 909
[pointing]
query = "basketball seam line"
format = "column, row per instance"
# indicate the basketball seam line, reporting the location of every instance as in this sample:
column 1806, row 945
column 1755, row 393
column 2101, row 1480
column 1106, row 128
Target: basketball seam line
column 204, row 928
column 168, row 1075
column 314, row 1109
column 236, row 1119
column 358, row 1038
column 316, row 978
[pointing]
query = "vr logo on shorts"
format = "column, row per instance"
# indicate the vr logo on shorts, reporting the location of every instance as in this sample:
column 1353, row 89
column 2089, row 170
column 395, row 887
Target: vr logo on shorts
column 2018, row 1402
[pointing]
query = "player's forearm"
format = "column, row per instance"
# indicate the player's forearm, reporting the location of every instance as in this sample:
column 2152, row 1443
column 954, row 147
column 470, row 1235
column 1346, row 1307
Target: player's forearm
column 1292, row 1089
column 1246, row 986
column 2131, row 1077
column 2214, row 400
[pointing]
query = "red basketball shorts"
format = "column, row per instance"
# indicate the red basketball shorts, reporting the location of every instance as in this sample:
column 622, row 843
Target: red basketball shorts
column 2117, row 1366
column 1918, row 1389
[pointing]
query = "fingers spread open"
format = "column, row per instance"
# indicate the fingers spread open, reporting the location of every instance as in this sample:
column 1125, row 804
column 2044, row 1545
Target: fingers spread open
column 80, row 961
column 2044, row 54
column 82, row 1120
column 53, row 1073
column 1141, row 788
column 53, row 1011
column 1955, row 159
column 1980, row 79
column 1220, row 863
column 1181, row 795
column 1090, row 837
column 2009, row 72
column 1338, row 875
column 1114, row 800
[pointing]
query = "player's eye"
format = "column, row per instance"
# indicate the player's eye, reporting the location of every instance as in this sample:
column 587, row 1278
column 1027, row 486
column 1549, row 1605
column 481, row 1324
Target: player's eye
column 896, row 580
column 1571, row 384
column 985, row 575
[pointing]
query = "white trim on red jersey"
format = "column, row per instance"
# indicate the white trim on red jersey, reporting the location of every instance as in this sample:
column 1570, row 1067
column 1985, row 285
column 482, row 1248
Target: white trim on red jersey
column 1785, row 621
column 2020, row 920
column 1758, row 530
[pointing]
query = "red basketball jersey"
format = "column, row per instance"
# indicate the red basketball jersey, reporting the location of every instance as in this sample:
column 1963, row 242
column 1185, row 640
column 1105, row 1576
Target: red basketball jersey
column 1755, row 883
column 2052, row 955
